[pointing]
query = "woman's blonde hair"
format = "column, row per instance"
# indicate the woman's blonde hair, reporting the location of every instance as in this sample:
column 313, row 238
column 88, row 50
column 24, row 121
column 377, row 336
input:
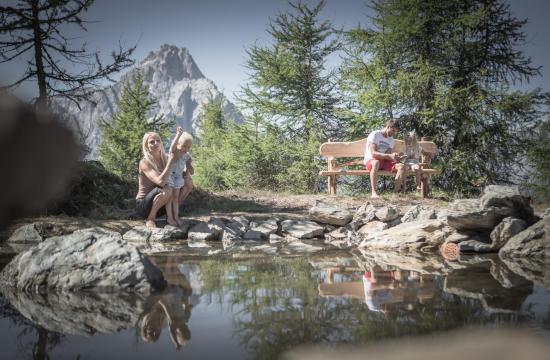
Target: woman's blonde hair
column 148, row 156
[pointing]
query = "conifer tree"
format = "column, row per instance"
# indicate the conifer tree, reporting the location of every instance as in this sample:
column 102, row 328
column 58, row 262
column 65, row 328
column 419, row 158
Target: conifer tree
column 121, row 147
column 209, row 157
column 289, row 84
column 452, row 65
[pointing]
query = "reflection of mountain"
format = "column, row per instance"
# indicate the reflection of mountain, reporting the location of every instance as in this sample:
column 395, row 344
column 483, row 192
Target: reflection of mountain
column 79, row 314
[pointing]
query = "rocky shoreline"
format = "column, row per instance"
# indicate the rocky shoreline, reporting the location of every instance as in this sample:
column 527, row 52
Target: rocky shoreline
column 501, row 221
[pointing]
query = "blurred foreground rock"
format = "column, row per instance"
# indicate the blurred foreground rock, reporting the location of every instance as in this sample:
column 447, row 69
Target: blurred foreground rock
column 457, row 345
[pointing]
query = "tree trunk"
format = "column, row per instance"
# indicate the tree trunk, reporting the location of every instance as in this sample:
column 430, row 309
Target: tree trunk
column 42, row 100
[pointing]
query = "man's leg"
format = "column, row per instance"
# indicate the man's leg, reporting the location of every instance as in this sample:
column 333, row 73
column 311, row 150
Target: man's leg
column 159, row 201
column 399, row 176
column 374, row 177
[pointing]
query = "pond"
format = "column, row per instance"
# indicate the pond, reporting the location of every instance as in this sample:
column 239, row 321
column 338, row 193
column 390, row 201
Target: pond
column 262, row 307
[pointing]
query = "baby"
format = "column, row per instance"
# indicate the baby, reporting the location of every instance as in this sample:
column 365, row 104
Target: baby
column 413, row 151
column 180, row 145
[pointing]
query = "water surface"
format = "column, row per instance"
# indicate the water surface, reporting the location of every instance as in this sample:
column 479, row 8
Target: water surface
column 259, row 308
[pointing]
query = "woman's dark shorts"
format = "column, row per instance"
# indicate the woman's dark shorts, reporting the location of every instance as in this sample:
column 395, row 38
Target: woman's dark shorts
column 144, row 205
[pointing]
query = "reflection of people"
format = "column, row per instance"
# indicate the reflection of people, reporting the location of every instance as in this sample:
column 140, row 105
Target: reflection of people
column 154, row 170
column 172, row 305
column 379, row 156
column 377, row 288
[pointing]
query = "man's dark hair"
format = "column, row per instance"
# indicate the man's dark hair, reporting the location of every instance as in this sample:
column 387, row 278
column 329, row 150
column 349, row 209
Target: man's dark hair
column 392, row 123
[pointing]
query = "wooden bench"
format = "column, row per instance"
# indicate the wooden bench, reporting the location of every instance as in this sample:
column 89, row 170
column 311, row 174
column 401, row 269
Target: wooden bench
column 356, row 149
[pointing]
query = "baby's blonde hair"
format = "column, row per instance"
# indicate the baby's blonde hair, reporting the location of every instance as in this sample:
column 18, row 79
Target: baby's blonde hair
column 185, row 138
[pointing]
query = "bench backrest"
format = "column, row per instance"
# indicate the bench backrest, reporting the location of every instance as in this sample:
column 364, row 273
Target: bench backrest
column 357, row 148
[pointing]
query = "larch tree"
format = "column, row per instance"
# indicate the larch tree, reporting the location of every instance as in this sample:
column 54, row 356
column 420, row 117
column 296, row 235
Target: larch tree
column 37, row 31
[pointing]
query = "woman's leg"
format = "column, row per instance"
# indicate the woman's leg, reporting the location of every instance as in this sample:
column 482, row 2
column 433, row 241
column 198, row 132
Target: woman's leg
column 159, row 201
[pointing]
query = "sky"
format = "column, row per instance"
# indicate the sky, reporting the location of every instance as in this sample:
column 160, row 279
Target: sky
column 218, row 32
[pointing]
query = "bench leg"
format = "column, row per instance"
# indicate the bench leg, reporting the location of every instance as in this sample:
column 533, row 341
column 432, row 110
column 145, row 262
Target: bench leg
column 332, row 185
column 424, row 186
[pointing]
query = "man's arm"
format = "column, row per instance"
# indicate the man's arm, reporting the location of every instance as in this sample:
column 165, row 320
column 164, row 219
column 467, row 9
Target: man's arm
column 382, row 156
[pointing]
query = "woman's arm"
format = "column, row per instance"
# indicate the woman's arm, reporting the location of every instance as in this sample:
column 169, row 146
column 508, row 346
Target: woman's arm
column 153, row 175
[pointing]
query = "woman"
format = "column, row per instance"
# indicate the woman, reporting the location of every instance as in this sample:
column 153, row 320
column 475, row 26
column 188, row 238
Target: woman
column 154, row 171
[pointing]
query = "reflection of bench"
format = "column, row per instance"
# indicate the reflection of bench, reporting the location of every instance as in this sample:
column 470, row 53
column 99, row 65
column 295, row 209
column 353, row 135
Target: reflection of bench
column 356, row 149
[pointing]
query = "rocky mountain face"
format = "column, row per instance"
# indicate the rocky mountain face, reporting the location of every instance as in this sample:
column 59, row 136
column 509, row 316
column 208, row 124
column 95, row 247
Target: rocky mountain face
column 173, row 78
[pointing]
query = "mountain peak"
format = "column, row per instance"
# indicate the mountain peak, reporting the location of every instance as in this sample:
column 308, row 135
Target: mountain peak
column 176, row 63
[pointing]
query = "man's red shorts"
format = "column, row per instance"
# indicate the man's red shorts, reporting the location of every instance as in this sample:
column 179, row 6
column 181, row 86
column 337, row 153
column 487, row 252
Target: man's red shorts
column 387, row 165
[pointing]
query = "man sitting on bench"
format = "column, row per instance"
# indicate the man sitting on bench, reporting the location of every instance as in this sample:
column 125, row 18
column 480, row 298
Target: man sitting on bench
column 378, row 156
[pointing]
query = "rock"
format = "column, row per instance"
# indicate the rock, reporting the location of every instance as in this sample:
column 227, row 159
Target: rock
column 302, row 229
column 394, row 222
column 372, row 228
column 387, row 213
column 325, row 213
column 142, row 234
column 253, row 235
column 82, row 261
column 475, row 246
column 330, row 228
column 30, row 233
column 97, row 231
column 275, row 239
column 301, row 247
column 83, row 313
column 363, row 215
column 408, row 236
column 243, row 222
column 139, row 234
column 339, row 238
column 467, row 214
column 267, row 227
column 419, row 212
column 231, row 238
column 204, row 232
column 505, row 230
column 507, row 197
column 531, row 242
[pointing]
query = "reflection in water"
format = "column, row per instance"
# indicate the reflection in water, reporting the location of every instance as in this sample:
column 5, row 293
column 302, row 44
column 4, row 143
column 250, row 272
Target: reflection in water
column 172, row 305
column 278, row 303
column 378, row 288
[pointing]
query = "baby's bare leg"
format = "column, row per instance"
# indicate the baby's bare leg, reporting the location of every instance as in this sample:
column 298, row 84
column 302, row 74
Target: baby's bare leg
column 176, row 206
column 416, row 169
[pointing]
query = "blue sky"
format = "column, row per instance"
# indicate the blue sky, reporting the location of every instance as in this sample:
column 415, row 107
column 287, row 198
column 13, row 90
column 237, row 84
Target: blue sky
column 217, row 32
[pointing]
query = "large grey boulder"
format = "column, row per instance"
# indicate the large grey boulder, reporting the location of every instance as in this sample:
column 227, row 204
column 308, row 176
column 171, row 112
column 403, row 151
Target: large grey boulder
column 302, row 229
column 467, row 214
column 267, row 227
column 372, row 227
column 325, row 213
column 531, row 242
column 507, row 197
column 82, row 313
column 414, row 235
column 82, row 261
column 504, row 231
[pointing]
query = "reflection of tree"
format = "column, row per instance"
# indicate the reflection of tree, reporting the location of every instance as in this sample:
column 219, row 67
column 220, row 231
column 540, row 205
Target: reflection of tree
column 41, row 344
column 278, row 307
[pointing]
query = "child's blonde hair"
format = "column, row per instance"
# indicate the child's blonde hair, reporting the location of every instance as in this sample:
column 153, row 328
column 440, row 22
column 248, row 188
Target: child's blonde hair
column 411, row 144
column 185, row 137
